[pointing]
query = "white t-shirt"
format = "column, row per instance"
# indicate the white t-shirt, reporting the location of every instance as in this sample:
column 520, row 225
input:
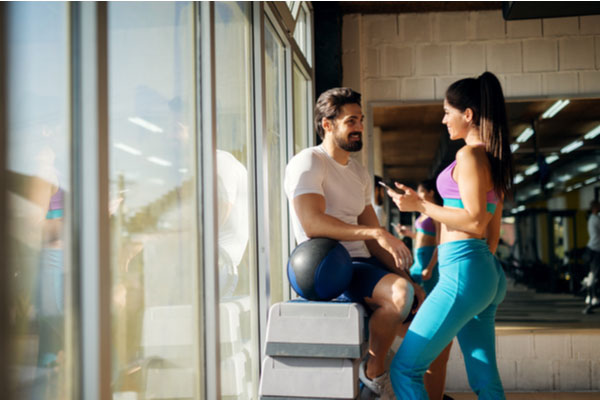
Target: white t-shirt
column 594, row 232
column 346, row 188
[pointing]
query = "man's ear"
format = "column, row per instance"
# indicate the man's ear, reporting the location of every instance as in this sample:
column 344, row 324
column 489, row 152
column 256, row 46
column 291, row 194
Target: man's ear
column 327, row 124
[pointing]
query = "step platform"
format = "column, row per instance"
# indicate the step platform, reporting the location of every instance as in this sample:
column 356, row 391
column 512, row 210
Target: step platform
column 309, row 378
column 317, row 329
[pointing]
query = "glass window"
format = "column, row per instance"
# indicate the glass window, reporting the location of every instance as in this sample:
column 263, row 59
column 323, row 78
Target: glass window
column 302, row 33
column 237, row 268
column 301, row 111
column 153, row 200
column 39, row 198
column 275, row 103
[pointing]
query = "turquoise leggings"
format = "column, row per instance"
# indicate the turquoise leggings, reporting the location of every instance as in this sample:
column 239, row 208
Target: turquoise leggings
column 422, row 258
column 462, row 304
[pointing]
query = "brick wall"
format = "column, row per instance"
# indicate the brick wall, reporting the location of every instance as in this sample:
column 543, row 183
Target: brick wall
column 537, row 361
column 409, row 57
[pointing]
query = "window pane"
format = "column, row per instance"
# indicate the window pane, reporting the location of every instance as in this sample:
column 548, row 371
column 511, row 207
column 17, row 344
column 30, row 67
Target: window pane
column 276, row 159
column 153, row 200
column 237, row 268
column 301, row 114
column 39, row 198
column 300, row 31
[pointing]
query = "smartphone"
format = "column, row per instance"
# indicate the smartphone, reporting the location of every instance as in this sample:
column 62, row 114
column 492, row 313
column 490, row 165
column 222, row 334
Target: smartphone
column 388, row 187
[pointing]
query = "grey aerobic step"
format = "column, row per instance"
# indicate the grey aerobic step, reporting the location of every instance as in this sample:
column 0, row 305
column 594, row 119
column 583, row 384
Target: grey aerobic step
column 309, row 378
column 316, row 329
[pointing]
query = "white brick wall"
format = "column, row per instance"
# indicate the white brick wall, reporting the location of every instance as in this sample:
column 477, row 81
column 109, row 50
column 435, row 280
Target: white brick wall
column 576, row 53
column 540, row 55
column 406, row 52
column 560, row 26
column 526, row 28
column 468, row 58
column 536, row 361
column 560, row 83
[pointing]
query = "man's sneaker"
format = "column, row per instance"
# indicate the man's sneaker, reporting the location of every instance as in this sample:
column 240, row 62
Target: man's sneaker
column 588, row 299
column 595, row 301
column 380, row 386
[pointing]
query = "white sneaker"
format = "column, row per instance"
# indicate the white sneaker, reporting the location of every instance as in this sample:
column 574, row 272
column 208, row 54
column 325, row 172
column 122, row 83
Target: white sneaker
column 587, row 299
column 595, row 302
column 380, row 386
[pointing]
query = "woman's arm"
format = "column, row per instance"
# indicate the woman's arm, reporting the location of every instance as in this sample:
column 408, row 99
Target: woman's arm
column 473, row 182
column 428, row 271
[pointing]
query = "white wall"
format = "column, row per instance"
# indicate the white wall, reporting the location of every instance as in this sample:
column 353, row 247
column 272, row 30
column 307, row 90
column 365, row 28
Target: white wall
column 412, row 57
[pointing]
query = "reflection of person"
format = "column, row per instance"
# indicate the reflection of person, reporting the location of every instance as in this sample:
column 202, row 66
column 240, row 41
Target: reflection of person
column 593, row 250
column 378, row 199
column 472, row 282
column 232, row 193
column 330, row 196
column 50, row 281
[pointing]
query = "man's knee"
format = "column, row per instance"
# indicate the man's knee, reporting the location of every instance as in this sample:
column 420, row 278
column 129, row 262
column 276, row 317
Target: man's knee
column 402, row 297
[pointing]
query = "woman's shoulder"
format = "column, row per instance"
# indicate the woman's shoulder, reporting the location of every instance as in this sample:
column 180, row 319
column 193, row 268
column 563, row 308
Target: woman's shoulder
column 469, row 154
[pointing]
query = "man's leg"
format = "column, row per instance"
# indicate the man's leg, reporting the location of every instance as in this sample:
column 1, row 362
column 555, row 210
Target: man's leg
column 391, row 301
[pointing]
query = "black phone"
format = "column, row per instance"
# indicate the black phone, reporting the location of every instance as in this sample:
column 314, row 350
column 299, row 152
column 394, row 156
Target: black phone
column 385, row 185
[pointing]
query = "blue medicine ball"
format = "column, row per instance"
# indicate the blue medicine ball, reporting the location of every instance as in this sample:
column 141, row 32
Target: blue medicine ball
column 320, row 269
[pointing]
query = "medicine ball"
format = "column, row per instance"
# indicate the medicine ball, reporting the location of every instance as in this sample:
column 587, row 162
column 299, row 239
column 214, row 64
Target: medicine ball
column 320, row 269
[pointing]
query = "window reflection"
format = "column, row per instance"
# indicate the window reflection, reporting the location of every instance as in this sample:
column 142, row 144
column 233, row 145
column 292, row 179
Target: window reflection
column 237, row 269
column 276, row 159
column 301, row 111
column 153, row 200
column 38, row 193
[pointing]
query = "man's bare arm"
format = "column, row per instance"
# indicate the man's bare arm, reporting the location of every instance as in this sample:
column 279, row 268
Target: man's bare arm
column 310, row 209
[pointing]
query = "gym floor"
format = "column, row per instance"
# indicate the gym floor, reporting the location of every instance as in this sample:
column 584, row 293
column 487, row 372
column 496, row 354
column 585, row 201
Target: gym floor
column 534, row 396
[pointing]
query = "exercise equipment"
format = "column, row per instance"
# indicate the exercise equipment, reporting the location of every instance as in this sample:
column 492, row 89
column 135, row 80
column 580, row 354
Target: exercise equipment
column 320, row 269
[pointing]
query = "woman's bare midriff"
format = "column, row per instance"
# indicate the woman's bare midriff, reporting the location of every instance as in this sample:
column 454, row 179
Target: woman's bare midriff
column 422, row 240
column 450, row 235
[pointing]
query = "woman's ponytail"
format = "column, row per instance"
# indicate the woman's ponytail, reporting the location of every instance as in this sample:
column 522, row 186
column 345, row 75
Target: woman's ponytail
column 494, row 132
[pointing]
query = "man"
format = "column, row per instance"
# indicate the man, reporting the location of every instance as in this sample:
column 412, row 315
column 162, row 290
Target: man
column 330, row 196
column 593, row 249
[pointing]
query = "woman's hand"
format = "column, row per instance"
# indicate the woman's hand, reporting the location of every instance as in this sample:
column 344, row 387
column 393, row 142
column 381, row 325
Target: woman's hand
column 426, row 273
column 403, row 230
column 409, row 201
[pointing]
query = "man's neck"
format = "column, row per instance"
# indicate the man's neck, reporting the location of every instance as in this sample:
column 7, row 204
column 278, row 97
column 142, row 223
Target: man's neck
column 340, row 155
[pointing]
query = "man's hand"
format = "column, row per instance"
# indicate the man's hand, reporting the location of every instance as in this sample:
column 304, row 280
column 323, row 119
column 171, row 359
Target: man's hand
column 396, row 247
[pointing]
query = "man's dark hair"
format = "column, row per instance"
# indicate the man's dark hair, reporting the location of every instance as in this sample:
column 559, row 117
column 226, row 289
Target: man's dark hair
column 329, row 104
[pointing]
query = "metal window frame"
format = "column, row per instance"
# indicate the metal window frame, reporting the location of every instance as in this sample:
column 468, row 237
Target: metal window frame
column 4, row 273
column 91, row 228
column 208, row 162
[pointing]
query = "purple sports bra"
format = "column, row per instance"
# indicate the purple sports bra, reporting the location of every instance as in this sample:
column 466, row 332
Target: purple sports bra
column 448, row 189
column 425, row 225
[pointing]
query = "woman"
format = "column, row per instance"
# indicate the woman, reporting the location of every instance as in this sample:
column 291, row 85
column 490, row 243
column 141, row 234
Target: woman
column 426, row 238
column 472, row 283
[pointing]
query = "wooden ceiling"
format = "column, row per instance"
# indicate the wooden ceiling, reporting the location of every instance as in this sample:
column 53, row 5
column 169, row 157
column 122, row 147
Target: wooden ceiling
column 413, row 136
column 395, row 7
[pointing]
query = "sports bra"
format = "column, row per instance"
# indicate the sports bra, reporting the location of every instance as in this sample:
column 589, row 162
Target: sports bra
column 448, row 189
column 425, row 226
column 55, row 209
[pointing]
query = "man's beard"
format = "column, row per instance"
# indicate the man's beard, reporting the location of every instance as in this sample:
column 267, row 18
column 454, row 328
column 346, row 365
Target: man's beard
column 347, row 145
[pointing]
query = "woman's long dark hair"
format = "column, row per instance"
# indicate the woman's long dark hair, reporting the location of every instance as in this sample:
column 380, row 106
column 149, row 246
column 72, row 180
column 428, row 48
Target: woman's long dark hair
column 430, row 186
column 484, row 97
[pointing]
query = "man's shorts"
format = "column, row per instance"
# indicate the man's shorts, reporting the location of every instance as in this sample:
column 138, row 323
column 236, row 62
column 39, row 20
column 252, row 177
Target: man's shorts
column 367, row 272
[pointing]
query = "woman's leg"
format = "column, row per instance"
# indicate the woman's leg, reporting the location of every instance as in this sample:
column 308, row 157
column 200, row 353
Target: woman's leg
column 468, row 285
column 478, row 344
column 435, row 377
